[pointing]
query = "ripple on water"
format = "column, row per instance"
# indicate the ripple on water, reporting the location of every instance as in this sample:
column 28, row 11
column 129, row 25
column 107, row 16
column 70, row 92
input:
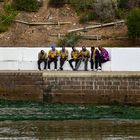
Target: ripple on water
column 71, row 130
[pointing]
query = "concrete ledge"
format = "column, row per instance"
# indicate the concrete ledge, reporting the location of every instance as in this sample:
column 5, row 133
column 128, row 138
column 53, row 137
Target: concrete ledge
column 90, row 74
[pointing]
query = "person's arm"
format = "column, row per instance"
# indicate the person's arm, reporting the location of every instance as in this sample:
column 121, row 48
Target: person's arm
column 60, row 53
column 57, row 53
column 45, row 55
column 67, row 54
column 49, row 54
column 71, row 54
column 38, row 56
column 88, row 54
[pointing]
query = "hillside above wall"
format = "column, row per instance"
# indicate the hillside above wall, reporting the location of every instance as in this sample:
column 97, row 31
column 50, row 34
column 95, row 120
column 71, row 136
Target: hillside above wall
column 21, row 35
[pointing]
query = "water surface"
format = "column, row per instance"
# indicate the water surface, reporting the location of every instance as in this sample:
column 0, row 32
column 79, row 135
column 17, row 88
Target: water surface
column 71, row 130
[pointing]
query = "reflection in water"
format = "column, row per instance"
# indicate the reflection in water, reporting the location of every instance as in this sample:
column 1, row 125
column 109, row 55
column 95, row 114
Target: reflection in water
column 70, row 130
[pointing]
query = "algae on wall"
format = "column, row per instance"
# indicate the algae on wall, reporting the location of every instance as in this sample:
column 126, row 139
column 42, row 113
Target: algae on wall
column 27, row 110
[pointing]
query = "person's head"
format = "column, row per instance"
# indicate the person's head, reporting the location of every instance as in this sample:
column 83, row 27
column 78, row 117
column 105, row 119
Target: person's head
column 63, row 48
column 84, row 48
column 53, row 48
column 42, row 51
column 74, row 48
column 92, row 48
column 100, row 48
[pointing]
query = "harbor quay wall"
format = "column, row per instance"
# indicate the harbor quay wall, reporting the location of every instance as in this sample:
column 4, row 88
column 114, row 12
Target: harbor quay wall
column 21, row 86
column 71, row 87
column 92, row 87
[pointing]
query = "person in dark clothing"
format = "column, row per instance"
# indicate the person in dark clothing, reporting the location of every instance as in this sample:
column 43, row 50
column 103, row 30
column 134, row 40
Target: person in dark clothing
column 42, row 57
column 95, row 58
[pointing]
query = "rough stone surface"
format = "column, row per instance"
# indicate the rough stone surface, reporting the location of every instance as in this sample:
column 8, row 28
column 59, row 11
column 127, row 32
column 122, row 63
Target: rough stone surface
column 71, row 87
column 21, row 86
column 92, row 87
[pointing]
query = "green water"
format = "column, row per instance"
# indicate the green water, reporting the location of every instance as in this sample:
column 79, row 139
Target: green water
column 25, row 110
column 25, row 120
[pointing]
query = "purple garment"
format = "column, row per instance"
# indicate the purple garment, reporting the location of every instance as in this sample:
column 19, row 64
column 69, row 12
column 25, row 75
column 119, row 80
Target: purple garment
column 104, row 55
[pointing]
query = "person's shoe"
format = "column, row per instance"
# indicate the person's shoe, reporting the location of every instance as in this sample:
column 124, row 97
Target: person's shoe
column 48, row 69
column 99, row 68
column 55, row 69
column 39, row 69
column 95, row 70
column 60, row 68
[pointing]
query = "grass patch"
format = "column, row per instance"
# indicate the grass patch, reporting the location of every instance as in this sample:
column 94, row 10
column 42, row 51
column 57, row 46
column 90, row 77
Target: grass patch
column 7, row 16
column 26, row 5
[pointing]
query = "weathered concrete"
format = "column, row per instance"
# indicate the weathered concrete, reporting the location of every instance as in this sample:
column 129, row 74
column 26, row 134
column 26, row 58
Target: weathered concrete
column 71, row 86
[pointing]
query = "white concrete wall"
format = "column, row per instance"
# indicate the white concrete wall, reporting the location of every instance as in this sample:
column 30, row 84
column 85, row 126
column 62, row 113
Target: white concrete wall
column 122, row 59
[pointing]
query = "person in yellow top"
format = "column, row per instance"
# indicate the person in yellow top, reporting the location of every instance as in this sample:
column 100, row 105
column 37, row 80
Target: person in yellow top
column 53, row 57
column 74, row 58
column 63, row 57
column 42, row 57
column 84, row 56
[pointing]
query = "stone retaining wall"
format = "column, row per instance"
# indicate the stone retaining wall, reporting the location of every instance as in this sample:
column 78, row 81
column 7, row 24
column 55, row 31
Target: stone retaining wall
column 21, row 86
column 72, row 87
column 91, row 87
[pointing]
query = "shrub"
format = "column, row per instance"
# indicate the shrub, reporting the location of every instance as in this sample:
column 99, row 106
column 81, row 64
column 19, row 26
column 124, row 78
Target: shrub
column 57, row 3
column 123, row 4
column 82, row 5
column 120, row 13
column 69, row 40
column 7, row 15
column 87, row 17
column 26, row 5
column 133, row 23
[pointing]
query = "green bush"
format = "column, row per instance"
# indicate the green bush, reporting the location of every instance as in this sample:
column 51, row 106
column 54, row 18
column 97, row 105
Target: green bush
column 26, row 5
column 57, row 3
column 7, row 16
column 69, row 40
column 82, row 5
column 87, row 17
column 120, row 14
column 133, row 23
column 123, row 4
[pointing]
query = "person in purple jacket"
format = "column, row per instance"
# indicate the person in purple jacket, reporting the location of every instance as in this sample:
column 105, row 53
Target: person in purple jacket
column 103, row 54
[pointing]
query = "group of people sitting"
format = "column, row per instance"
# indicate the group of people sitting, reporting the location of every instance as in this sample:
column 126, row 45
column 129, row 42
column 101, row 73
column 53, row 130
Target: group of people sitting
column 96, row 56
